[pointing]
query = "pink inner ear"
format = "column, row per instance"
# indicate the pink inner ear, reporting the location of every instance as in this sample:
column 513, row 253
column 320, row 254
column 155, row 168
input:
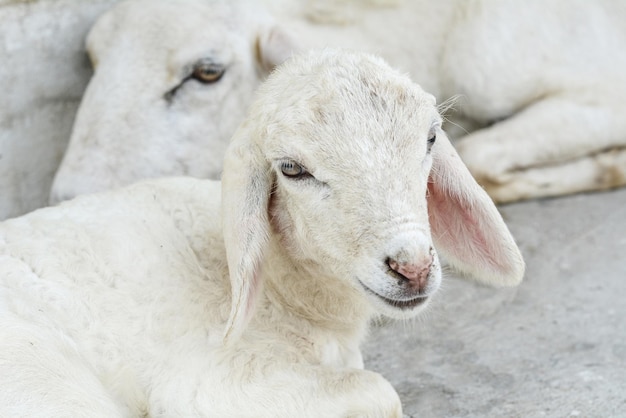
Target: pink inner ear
column 463, row 232
column 244, row 300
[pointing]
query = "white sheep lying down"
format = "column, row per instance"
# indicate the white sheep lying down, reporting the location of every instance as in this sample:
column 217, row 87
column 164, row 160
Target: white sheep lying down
column 159, row 299
column 544, row 82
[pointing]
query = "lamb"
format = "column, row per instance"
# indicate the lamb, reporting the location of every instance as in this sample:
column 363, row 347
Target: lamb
column 540, row 90
column 339, row 191
column 172, row 81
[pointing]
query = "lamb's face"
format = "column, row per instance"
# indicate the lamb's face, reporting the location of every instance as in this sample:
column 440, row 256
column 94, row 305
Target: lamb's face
column 351, row 183
column 335, row 163
column 172, row 81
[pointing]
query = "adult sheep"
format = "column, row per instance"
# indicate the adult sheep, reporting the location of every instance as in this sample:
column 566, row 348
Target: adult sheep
column 172, row 80
column 145, row 301
column 541, row 84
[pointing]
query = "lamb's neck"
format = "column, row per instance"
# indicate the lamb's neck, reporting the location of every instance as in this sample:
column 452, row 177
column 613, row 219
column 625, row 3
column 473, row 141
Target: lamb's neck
column 323, row 301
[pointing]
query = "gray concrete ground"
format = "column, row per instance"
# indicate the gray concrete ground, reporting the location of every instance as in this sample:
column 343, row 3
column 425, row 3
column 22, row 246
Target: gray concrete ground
column 553, row 347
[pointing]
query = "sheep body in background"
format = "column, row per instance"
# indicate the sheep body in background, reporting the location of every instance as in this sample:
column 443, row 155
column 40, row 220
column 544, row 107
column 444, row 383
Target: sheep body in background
column 540, row 84
column 161, row 300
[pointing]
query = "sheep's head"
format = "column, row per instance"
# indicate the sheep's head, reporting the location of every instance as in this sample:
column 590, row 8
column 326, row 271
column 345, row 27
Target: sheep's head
column 345, row 160
column 172, row 81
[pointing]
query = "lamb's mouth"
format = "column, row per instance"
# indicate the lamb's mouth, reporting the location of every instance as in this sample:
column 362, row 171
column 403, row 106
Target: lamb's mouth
column 400, row 304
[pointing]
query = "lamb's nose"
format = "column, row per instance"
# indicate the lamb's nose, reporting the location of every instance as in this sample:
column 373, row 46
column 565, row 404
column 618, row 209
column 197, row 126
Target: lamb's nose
column 415, row 273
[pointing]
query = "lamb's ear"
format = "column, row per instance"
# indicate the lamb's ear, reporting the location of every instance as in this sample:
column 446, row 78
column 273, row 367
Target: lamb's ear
column 273, row 46
column 466, row 226
column 246, row 185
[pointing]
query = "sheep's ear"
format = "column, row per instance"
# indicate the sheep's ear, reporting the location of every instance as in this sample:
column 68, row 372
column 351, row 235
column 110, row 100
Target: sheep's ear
column 466, row 225
column 246, row 184
column 273, row 46
column 98, row 40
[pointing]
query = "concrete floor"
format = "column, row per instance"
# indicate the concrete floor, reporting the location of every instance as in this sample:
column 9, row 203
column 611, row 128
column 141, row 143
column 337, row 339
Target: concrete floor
column 553, row 347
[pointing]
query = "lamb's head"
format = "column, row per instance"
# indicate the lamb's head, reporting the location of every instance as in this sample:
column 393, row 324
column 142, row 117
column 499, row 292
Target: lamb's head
column 172, row 81
column 344, row 160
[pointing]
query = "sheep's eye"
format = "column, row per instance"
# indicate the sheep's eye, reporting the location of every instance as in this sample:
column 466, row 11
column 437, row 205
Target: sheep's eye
column 206, row 71
column 292, row 169
column 432, row 137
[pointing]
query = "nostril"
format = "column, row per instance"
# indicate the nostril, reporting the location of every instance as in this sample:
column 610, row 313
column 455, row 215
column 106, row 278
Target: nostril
column 393, row 264
column 415, row 273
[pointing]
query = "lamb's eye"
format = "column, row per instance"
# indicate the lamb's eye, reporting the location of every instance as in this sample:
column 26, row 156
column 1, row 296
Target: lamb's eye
column 206, row 71
column 432, row 137
column 292, row 169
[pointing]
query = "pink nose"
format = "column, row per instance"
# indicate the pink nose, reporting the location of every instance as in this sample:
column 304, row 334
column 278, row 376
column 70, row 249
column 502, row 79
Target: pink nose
column 415, row 273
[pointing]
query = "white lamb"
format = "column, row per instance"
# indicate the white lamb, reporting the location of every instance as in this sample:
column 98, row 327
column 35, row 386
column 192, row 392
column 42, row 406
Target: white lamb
column 145, row 301
column 172, row 80
column 544, row 81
